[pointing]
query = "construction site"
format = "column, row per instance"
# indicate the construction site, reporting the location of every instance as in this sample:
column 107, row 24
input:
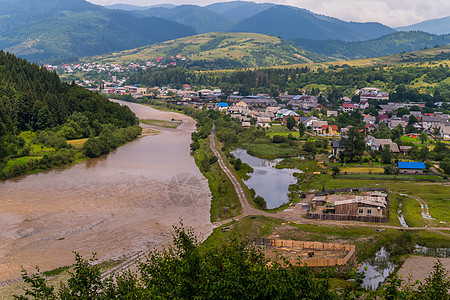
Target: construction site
column 312, row 254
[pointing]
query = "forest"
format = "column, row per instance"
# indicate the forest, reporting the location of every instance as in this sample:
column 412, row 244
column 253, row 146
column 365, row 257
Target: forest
column 37, row 110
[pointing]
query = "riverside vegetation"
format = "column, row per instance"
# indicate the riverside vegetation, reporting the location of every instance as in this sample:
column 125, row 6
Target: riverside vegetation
column 39, row 115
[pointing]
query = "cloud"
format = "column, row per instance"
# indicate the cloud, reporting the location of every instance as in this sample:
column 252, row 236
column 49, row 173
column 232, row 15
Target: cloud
column 389, row 12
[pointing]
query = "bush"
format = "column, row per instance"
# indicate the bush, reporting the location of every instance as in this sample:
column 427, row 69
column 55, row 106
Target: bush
column 261, row 202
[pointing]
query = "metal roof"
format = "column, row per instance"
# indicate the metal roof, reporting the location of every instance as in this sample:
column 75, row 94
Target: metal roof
column 411, row 165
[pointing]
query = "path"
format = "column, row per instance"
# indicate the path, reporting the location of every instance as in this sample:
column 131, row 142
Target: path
column 247, row 209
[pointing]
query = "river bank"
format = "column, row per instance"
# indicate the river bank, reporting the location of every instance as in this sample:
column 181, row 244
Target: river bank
column 115, row 205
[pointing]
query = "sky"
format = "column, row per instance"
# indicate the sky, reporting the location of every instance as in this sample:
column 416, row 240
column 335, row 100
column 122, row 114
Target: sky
column 392, row 13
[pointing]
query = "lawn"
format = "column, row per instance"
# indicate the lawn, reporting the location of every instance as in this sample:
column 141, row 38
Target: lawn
column 162, row 123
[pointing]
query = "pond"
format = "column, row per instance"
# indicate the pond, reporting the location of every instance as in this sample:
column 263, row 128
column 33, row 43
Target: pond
column 377, row 269
column 268, row 182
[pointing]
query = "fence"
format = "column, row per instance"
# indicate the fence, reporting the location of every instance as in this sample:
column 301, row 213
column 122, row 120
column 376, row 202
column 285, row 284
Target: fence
column 335, row 217
column 312, row 262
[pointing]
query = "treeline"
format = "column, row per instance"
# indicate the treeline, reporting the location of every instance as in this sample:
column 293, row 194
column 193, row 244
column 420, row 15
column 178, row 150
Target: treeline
column 339, row 80
column 34, row 99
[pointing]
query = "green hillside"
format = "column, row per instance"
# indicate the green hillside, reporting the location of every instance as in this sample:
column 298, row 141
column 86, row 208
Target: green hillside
column 397, row 42
column 224, row 49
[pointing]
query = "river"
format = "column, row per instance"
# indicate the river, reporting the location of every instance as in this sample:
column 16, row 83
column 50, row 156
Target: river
column 115, row 205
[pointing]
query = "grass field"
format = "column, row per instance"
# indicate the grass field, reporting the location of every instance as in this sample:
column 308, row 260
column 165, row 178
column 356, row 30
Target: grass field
column 24, row 160
column 271, row 151
column 77, row 144
column 161, row 123
column 362, row 170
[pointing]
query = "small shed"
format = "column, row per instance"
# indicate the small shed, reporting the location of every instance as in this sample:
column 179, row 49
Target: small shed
column 407, row 167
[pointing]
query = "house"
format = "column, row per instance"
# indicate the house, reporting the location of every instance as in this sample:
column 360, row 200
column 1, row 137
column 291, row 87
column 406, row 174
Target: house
column 332, row 113
column 370, row 128
column 317, row 126
column 263, row 122
column 373, row 95
column 368, row 119
column 404, row 149
column 335, row 148
column 444, row 132
column 241, row 106
column 259, row 101
column 223, row 106
column 330, row 130
column 370, row 206
column 346, row 107
column 393, row 123
column 411, row 167
column 430, row 122
column 364, row 104
column 380, row 144
column 308, row 121
column 246, row 124
column 289, row 113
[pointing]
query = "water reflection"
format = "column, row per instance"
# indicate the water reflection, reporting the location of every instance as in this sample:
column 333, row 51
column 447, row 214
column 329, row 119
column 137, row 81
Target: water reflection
column 268, row 182
column 377, row 270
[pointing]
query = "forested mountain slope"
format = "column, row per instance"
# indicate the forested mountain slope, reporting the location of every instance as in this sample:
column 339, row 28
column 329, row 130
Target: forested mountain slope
column 35, row 100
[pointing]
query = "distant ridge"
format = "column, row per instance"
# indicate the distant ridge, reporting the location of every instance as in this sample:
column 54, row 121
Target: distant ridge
column 290, row 22
column 386, row 45
column 434, row 26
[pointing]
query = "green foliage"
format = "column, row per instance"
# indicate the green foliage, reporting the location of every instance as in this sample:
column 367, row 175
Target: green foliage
column 235, row 270
column 353, row 145
column 290, row 122
column 261, row 202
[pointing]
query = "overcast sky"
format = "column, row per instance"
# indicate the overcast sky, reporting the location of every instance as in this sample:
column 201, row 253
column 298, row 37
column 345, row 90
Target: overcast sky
column 389, row 12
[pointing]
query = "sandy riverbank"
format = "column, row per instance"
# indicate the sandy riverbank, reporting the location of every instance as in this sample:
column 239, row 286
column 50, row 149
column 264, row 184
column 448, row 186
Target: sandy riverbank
column 115, row 205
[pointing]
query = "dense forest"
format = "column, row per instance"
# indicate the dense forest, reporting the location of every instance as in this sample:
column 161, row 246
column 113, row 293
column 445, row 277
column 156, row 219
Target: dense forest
column 37, row 108
column 337, row 81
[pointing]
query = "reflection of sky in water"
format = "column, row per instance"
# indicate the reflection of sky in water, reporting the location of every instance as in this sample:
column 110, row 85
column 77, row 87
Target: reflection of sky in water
column 377, row 270
column 270, row 183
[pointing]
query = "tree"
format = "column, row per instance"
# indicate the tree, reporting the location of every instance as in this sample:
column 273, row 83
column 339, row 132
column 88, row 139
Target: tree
column 353, row 145
column 290, row 122
column 335, row 170
column 437, row 285
column 234, row 270
column 386, row 155
column 301, row 129
column 423, row 136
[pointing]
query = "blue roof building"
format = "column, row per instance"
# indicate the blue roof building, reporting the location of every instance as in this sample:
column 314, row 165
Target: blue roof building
column 223, row 104
column 411, row 167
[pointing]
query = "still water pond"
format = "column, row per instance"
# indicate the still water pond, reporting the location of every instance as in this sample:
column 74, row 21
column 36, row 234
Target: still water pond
column 377, row 270
column 268, row 182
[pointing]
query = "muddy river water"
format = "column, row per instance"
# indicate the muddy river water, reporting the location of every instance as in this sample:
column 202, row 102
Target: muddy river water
column 115, row 205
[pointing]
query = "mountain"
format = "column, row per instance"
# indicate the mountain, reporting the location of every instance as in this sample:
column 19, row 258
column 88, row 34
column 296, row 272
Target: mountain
column 202, row 19
column 435, row 26
column 219, row 50
column 18, row 13
column 130, row 7
column 290, row 22
column 64, row 29
column 238, row 10
column 386, row 45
